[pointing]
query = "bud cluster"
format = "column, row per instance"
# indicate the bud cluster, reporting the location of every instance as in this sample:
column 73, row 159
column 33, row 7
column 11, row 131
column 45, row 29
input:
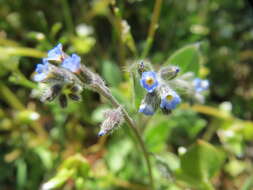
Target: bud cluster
column 56, row 77
column 163, row 88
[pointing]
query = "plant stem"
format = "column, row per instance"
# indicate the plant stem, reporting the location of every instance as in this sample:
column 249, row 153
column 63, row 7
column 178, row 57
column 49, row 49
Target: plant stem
column 67, row 16
column 10, row 97
column 107, row 94
column 152, row 28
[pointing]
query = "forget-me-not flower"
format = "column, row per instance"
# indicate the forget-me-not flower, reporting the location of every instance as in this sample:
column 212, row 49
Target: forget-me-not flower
column 200, row 85
column 72, row 63
column 170, row 100
column 55, row 54
column 42, row 71
column 149, row 81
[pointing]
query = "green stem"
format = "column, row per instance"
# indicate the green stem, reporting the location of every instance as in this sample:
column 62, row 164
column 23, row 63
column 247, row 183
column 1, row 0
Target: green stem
column 153, row 27
column 67, row 16
column 96, row 83
column 133, row 127
column 118, row 26
column 10, row 97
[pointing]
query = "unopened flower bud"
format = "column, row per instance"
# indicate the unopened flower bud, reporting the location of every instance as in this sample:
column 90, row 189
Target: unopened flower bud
column 113, row 119
column 63, row 100
column 169, row 72
column 149, row 104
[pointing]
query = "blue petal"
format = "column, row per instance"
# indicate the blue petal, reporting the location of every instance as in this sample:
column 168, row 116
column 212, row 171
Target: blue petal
column 146, row 109
column 55, row 54
column 72, row 63
column 101, row 133
column 144, row 77
column 200, row 85
column 165, row 104
column 42, row 71
column 39, row 77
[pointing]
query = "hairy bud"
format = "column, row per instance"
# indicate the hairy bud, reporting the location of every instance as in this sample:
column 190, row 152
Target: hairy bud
column 113, row 119
column 149, row 104
column 169, row 72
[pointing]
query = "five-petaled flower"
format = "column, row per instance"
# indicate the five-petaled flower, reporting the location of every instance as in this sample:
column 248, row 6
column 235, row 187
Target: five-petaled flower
column 72, row 63
column 149, row 81
column 42, row 71
column 55, row 54
column 200, row 85
column 170, row 100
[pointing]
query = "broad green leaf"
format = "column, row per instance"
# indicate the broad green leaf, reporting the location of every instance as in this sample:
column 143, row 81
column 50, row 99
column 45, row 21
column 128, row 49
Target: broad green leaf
column 111, row 73
column 187, row 58
column 117, row 153
column 157, row 133
column 201, row 161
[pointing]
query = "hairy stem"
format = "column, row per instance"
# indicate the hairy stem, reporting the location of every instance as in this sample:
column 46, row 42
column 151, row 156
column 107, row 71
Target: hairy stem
column 107, row 94
column 96, row 83
column 152, row 28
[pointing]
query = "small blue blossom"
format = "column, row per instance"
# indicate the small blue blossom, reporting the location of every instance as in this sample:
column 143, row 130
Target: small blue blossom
column 170, row 100
column 42, row 71
column 55, row 54
column 146, row 109
column 149, row 81
column 101, row 133
column 72, row 63
column 200, row 85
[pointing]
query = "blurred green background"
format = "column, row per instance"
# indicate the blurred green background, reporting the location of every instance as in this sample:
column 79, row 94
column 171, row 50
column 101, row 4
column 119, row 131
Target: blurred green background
column 196, row 147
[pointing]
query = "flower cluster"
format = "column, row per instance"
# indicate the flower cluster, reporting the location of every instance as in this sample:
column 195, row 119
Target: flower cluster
column 56, row 76
column 163, row 88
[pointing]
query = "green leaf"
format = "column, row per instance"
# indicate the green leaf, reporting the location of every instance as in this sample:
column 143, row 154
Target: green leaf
column 248, row 184
column 45, row 156
column 111, row 73
column 201, row 161
column 156, row 133
column 117, row 153
column 98, row 113
column 21, row 173
column 187, row 58
column 61, row 177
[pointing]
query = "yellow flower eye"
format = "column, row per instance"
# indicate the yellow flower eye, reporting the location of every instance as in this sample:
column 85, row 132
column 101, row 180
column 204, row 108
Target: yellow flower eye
column 150, row 81
column 169, row 97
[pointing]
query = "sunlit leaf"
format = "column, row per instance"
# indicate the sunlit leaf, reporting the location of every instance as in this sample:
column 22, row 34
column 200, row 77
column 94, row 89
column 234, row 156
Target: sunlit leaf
column 201, row 161
column 111, row 73
column 187, row 58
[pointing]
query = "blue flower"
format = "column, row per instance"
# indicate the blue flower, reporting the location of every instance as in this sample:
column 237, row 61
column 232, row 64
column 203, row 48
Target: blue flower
column 72, row 63
column 200, row 85
column 42, row 71
column 170, row 100
column 55, row 54
column 146, row 109
column 149, row 81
